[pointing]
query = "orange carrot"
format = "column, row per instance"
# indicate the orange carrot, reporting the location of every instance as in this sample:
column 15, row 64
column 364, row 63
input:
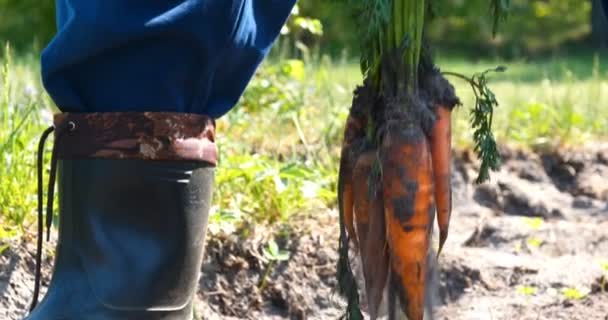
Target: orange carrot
column 409, row 212
column 361, row 195
column 441, row 146
column 352, row 132
column 369, row 217
column 374, row 255
column 345, row 196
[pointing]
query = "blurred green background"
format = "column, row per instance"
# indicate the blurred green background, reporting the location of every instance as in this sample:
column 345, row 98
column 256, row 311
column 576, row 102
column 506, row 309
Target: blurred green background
column 462, row 26
column 533, row 27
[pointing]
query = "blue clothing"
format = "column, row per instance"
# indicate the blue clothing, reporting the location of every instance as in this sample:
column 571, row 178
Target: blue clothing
column 192, row 56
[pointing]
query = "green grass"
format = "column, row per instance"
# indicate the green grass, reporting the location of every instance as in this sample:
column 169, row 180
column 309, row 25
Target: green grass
column 558, row 68
column 279, row 148
column 23, row 112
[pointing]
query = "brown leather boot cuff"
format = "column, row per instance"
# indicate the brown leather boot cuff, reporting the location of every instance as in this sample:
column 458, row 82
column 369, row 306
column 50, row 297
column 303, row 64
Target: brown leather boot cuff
column 136, row 135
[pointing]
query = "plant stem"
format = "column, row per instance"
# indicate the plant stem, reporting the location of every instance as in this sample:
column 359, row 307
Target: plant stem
column 420, row 15
column 463, row 77
column 406, row 21
column 266, row 274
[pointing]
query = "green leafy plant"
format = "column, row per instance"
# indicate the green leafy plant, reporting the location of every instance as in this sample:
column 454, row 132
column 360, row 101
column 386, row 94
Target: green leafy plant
column 275, row 87
column 573, row 294
column 527, row 290
column 273, row 254
column 481, row 119
column 534, row 223
column 534, row 242
column 299, row 34
column 223, row 221
column 268, row 190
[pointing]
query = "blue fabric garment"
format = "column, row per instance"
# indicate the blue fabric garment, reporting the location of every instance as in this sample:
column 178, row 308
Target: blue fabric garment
column 158, row 55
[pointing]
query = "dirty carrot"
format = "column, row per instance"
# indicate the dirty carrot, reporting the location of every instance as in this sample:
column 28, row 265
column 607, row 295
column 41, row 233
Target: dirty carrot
column 371, row 229
column 361, row 195
column 411, row 167
column 375, row 256
column 352, row 132
column 345, row 196
column 441, row 145
column 409, row 211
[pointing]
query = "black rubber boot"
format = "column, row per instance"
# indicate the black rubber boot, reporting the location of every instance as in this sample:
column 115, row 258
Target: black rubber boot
column 131, row 238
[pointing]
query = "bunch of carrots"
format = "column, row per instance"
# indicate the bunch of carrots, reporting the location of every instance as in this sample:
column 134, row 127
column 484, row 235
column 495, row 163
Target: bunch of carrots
column 389, row 192
column 395, row 170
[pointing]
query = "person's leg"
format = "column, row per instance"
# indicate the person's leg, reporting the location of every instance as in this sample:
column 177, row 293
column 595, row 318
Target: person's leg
column 135, row 188
column 158, row 55
column 130, row 244
column 135, row 191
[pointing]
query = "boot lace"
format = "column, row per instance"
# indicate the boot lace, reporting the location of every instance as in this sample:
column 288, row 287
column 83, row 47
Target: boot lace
column 60, row 130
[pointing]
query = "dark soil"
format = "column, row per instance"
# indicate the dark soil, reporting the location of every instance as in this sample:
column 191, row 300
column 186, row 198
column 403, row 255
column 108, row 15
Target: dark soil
column 516, row 243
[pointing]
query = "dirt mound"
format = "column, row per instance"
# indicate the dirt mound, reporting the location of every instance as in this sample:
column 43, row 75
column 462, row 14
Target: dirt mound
column 238, row 281
column 527, row 245
column 17, row 268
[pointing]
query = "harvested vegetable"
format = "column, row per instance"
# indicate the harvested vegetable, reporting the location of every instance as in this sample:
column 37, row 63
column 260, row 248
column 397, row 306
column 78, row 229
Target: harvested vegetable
column 354, row 139
column 395, row 167
column 441, row 149
column 409, row 212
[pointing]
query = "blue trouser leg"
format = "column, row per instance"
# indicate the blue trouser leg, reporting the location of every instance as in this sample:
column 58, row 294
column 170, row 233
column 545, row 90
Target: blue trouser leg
column 192, row 56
